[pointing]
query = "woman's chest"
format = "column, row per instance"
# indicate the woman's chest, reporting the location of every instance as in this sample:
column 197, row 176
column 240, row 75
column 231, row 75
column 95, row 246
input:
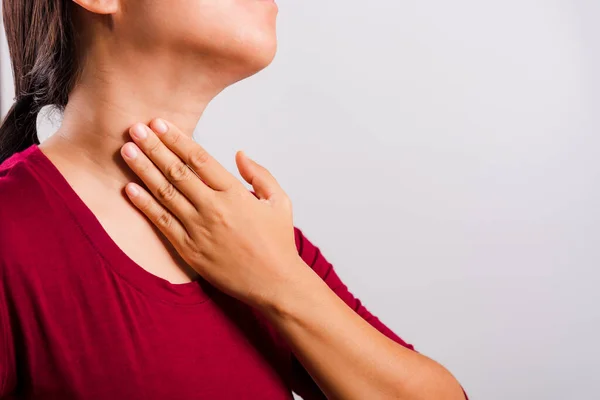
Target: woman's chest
column 117, row 343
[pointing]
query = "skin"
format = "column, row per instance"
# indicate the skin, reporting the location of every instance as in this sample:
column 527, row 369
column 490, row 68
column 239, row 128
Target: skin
column 222, row 231
column 139, row 59
column 189, row 215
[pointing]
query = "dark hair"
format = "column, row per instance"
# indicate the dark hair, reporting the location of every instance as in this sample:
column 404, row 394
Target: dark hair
column 40, row 37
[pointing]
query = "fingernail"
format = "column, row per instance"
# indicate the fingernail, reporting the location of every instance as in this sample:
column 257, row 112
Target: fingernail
column 130, row 150
column 139, row 131
column 160, row 126
column 132, row 190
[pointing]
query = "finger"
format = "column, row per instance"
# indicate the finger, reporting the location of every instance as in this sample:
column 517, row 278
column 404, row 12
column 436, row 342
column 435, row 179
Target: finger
column 264, row 184
column 162, row 189
column 207, row 167
column 172, row 167
column 169, row 225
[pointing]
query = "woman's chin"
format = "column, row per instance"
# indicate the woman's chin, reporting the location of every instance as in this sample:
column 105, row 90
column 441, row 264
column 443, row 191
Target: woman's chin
column 263, row 56
column 253, row 58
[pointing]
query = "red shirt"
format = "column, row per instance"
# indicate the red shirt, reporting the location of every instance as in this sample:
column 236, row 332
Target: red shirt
column 79, row 319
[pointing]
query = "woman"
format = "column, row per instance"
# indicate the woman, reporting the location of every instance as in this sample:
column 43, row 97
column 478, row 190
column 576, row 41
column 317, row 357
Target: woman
column 185, row 285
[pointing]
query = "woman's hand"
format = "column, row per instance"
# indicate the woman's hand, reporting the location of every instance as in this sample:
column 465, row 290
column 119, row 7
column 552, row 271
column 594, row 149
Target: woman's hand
column 241, row 243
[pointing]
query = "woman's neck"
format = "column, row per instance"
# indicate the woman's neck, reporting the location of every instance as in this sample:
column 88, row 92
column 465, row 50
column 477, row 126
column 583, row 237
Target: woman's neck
column 115, row 94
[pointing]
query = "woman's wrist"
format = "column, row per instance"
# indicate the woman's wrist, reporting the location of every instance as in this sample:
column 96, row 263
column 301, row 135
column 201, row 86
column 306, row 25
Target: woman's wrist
column 293, row 293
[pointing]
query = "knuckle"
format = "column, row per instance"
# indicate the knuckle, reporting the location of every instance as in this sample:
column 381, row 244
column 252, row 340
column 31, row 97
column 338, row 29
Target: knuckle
column 263, row 169
column 267, row 174
column 145, row 203
column 219, row 216
column 178, row 172
column 164, row 220
column 142, row 169
column 239, row 191
column 287, row 202
column 199, row 158
column 192, row 245
column 175, row 137
column 166, row 192
column 154, row 148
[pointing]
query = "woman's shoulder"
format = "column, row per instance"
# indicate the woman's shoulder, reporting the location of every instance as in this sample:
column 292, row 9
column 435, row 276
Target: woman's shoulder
column 22, row 198
column 16, row 160
column 18, row 184
column 15, row 169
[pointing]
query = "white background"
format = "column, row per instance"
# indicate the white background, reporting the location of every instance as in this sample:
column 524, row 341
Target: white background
column 443, row 156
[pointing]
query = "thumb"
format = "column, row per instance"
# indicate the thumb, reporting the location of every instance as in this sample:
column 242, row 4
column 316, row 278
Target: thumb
column 264, row 184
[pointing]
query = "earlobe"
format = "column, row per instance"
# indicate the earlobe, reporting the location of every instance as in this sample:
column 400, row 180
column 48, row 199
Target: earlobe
column 99, row 6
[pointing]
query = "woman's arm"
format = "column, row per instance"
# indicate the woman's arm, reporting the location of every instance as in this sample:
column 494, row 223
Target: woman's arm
column 342, row 351
column 243, row 244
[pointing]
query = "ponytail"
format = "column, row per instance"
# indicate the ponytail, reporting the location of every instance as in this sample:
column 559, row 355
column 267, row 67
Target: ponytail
column 42, row 50
column 18, row 129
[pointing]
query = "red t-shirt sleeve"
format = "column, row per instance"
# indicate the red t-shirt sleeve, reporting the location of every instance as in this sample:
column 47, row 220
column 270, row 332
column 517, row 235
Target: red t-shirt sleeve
column 302, row 382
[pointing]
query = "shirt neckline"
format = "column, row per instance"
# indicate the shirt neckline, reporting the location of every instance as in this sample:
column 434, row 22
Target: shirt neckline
column 190, row 293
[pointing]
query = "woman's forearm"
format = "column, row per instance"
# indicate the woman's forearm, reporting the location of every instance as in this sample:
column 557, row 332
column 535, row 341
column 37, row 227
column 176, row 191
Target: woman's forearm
column 346, row 356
